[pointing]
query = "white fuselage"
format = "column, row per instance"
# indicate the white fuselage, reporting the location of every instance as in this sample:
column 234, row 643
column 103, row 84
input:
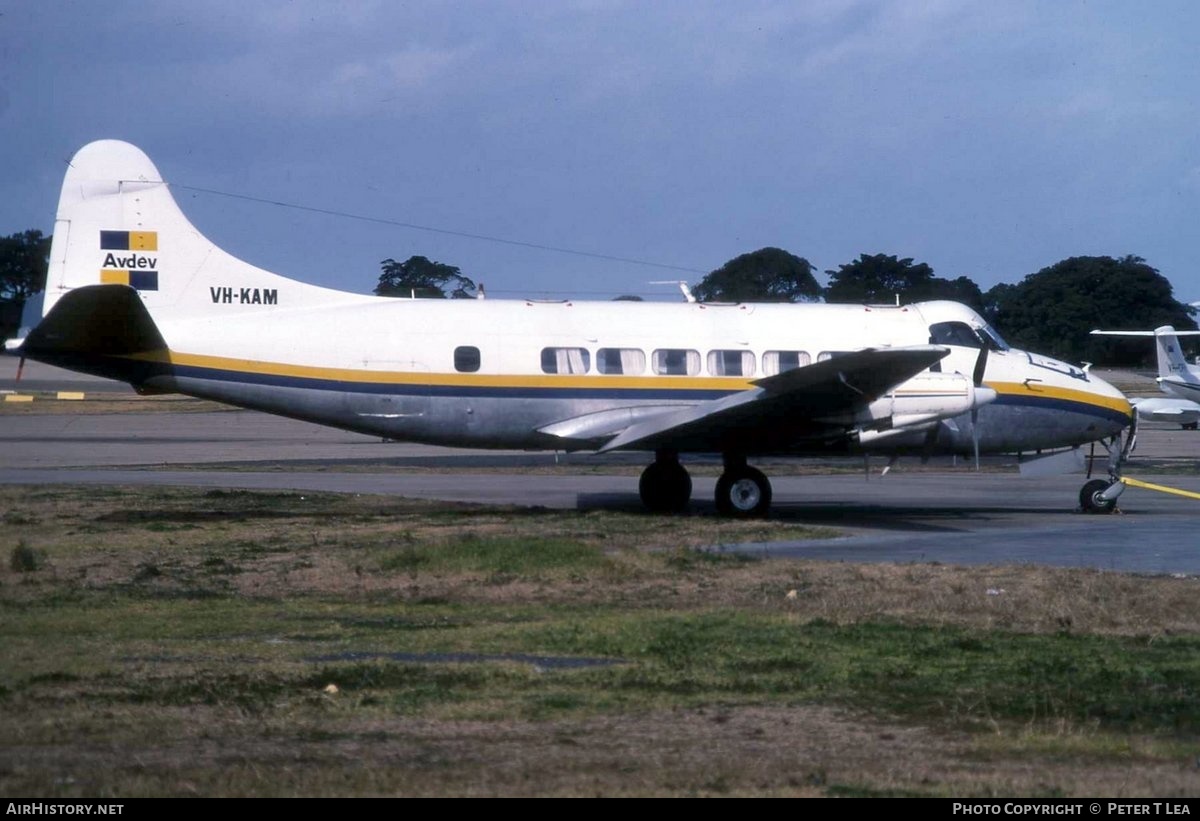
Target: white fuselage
column 397, row 367
column 189, row 317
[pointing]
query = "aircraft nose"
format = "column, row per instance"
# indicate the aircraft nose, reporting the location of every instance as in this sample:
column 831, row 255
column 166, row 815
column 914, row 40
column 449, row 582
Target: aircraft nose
column 1109, row 397
column 1048, row 403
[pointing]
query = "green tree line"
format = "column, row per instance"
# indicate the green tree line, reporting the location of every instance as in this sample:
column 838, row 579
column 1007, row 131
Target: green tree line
column 1050, row 311
column 24, row 258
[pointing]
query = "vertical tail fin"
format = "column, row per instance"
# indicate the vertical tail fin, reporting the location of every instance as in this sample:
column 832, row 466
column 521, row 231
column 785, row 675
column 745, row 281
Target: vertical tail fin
column 1171, row 361
column 117, row 223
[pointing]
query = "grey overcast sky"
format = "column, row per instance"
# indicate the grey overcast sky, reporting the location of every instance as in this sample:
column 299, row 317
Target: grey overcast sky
column 987, row 139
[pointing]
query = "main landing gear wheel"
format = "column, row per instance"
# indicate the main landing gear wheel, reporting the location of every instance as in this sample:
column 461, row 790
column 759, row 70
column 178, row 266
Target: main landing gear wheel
column 743, row 492
column 1090, row 500
column 665, row 487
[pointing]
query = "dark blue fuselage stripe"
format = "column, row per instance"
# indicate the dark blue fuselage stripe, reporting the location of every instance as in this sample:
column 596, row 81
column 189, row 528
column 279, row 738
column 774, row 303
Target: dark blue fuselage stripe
column 540, row 392
column 1042, row 402
column 466, row 391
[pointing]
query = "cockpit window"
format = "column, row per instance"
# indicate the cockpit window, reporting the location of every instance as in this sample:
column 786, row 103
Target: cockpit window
column 954, row 333
column 993, row 338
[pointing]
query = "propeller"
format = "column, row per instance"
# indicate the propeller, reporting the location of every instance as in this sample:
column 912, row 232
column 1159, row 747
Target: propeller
column 931, row 439
column 977, row 378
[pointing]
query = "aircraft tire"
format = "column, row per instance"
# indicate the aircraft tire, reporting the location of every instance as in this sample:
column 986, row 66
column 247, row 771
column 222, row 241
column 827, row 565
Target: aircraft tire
column 1089, row 497
column 743, row 493
column 665, row 487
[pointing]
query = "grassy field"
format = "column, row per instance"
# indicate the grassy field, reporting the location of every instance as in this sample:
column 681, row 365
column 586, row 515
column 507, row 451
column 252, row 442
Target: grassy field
column 181, row 642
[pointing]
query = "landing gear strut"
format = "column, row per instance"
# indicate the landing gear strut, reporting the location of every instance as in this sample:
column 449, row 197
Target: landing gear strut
column 1099, row 495
column 665, row 486
column 742, row 491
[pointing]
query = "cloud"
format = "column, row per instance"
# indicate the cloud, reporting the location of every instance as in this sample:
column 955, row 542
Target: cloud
column 360, row 86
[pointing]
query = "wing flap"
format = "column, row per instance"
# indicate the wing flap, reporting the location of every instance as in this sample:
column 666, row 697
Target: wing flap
column 603, row 424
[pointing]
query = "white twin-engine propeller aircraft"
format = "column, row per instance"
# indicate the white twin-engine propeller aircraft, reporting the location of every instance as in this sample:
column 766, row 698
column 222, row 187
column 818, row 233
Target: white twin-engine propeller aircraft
column 136, row 293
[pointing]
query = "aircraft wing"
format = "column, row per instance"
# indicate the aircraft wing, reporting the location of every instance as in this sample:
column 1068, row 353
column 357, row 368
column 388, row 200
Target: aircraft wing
column 1162, row 409
column 783, row 408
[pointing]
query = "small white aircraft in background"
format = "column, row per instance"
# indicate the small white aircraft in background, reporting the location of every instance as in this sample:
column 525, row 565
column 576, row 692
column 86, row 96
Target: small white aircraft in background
column 1175, row 377
column 136, row 293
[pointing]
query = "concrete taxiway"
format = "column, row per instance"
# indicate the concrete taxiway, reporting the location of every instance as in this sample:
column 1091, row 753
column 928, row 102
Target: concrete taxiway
column 37, row 378
column 954, row 516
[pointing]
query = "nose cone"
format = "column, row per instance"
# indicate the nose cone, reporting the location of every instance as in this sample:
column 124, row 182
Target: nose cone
column 1099, row 409
column 1046, row 403
column 984, row 396
column 1109, row 397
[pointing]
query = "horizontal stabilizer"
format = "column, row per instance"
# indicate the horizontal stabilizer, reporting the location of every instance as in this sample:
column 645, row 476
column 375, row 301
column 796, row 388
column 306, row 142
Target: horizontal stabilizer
column 1166, row 330
column 98, row 329
column 1172, row 367
column 96, row 319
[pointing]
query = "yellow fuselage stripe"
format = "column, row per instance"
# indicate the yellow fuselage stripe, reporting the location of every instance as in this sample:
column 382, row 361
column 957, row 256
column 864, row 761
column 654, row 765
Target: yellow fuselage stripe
column 1015, row 389
column 444, row 379
column 1043, row 391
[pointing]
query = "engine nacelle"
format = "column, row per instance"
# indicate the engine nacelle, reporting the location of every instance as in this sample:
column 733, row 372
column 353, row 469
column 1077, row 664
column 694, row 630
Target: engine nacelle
column 920, row 402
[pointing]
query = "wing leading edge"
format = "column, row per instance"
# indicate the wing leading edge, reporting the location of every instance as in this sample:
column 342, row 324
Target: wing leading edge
column 779, row 409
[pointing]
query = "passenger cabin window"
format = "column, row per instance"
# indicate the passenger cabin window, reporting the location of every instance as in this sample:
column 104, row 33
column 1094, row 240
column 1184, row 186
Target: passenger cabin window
column 731, row 363
column 953, row 333
column 566, row 360
column 774, row 362
column 466, row 359
column 617, row 361
column 676, row 362
column 825, row 356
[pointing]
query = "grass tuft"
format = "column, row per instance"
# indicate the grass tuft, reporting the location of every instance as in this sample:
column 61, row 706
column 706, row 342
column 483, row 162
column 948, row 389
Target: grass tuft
column 511, row 557
column 25, row 559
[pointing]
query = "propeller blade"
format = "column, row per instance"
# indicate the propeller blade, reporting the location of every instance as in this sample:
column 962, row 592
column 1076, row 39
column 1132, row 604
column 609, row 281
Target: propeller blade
column 977, row 377
column 931, row 438
column 980, row 366
column 975, row 435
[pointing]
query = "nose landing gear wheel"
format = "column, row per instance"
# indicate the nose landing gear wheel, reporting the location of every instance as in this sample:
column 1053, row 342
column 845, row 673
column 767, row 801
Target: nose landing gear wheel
column 743, row 492
column 1090, row 500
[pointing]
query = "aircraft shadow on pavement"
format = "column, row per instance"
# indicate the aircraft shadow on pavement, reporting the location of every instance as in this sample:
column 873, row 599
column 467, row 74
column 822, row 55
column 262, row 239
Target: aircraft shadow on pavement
column 873, row 516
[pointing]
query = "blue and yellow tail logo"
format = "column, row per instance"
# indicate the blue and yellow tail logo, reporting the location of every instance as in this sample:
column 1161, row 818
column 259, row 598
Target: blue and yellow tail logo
column 132, row 268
